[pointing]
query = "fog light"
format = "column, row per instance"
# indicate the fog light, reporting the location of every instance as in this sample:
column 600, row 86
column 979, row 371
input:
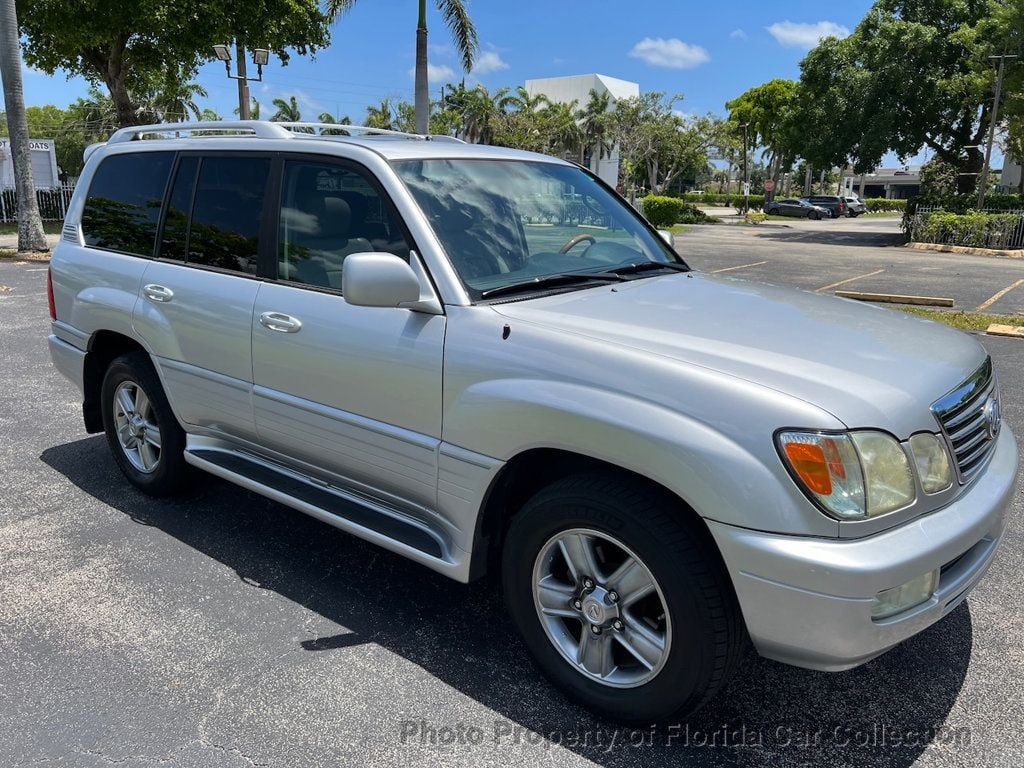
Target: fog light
column 889, row 602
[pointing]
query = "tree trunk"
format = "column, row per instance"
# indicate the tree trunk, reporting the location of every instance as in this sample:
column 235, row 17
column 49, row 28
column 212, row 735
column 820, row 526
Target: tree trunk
column 422, row 91
column 30, row 225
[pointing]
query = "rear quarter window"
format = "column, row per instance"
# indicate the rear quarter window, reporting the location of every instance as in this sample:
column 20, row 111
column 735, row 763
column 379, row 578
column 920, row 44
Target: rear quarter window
column 123, row 205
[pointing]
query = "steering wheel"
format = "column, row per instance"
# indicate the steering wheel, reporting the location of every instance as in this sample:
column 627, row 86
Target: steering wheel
column 572, row 242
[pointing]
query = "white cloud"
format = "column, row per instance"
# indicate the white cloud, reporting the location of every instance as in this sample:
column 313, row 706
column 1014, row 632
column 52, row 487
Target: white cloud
column 672, row 53
column 487, row 62
column 739, row 34
column 436, row 73
column 792, row 34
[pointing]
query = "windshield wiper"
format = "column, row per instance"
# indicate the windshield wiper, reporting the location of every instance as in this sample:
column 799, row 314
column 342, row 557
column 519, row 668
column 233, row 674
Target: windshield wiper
column 643, row 266
column 551, row 281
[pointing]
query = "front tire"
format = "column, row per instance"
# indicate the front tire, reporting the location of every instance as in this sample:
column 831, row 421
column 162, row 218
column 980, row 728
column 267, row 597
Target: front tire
column 620, row 599
column 144, row 436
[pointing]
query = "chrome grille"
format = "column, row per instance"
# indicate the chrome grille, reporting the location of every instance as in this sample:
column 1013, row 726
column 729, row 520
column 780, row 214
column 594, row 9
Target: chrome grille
column 969, row 422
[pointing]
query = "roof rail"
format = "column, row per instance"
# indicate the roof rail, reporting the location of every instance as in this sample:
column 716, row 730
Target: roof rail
column 340, row 129
column 260, row 128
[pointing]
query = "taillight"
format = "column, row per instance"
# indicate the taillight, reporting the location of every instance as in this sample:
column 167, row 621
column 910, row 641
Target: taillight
column 49, row 294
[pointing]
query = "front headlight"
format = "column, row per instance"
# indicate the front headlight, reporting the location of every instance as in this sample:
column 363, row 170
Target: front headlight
column 932, row 460
column 853, row 476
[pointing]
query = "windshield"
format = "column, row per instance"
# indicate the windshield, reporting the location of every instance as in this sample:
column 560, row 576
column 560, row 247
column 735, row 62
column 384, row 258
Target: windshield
column 504, row 222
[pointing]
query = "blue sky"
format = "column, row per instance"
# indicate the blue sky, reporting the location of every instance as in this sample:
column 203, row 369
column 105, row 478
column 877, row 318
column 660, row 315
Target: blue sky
column 709, row 52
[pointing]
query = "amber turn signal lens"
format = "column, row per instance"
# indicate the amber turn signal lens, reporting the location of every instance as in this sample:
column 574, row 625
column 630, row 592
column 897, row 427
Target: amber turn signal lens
column 808, row 461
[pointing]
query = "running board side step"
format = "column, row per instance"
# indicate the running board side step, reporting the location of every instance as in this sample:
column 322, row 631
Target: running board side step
column 346, row 511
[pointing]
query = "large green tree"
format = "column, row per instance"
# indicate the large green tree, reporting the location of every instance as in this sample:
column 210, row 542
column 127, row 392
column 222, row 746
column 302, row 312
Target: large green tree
column 134, row 47
column 767, row 110
column 914, row 73
column 456, row 16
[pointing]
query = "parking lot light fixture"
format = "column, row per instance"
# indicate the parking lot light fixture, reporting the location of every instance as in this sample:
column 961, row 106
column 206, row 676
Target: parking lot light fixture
column 260, row 56
column 223, row 53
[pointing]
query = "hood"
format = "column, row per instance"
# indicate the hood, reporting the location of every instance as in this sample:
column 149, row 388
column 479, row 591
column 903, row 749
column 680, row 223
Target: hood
column 867, row 366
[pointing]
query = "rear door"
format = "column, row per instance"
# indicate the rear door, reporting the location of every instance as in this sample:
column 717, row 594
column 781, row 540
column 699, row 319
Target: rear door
column 196, row 303
column 353, row 391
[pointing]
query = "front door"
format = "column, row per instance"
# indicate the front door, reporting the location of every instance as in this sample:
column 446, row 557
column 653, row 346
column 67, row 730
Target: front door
column 354, row 391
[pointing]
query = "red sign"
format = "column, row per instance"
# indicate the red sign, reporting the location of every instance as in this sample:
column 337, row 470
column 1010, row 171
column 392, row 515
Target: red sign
column 769, row 185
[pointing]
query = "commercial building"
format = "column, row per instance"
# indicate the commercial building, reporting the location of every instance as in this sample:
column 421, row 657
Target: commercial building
column 894, row 183
column 565, row 90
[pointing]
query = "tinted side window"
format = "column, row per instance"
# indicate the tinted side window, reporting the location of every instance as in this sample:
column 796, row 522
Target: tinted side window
column 123, row 204
column 227, row 211
column 327, row 213
column 174, row 241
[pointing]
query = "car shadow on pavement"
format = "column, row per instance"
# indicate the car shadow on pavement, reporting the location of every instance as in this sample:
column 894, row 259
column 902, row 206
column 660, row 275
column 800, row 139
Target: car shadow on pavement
column 835, row 234
column 884, row 713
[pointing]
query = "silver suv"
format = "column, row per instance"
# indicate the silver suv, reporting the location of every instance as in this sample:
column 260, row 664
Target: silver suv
column 485, row 360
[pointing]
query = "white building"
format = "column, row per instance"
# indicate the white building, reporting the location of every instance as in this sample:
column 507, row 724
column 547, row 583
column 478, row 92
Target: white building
column 44, row 164
column 577, row 88
column 899, row 183
column 1009, row 179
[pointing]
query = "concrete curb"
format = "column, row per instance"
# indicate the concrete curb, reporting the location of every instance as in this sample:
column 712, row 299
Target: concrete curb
column 1016, row 331
column 991, row 252
column 895, row 298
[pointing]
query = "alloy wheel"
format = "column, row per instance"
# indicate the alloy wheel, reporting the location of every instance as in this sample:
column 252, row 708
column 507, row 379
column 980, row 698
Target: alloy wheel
column 137, row 428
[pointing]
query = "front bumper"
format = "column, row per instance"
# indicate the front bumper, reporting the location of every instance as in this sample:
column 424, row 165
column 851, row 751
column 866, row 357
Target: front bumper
column 807, row 601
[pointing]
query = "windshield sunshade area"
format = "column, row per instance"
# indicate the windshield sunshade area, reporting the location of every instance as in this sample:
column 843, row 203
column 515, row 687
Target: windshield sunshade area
column 508, row 222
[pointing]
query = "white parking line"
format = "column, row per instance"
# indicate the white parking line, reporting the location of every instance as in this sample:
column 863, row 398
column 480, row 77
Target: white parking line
column 850, row 280
column 986, row 304
column 741, row 266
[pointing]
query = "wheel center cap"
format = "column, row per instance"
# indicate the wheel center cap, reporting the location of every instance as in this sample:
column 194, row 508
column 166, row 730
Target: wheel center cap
column 596, row 608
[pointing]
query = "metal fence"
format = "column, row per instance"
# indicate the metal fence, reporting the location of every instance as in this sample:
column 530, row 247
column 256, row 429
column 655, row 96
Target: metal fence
column 53, row 203
column 1003, row 233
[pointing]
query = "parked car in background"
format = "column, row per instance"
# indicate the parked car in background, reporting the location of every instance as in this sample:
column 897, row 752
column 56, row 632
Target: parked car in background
column 661, row 464
column 835, row 205
column 801, row 209
column 855, row 206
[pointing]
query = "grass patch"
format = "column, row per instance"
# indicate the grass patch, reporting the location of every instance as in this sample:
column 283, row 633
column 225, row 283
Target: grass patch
column 680, row 229
column 882, row 214
column 49, row 227
column 965, row 321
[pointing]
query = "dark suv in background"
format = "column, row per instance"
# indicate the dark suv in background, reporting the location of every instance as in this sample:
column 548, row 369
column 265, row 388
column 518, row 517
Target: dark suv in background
column 836, row 206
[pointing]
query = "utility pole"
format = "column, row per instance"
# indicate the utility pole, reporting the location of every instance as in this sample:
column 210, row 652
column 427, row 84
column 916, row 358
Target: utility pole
column 746, row 172
column 243, row 83
column 983, row 179
column 30, row 225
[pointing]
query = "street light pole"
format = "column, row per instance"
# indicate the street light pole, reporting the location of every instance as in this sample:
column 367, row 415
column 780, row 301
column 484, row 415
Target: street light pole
column 243, row 83
column 983, row 179
column 746, row 172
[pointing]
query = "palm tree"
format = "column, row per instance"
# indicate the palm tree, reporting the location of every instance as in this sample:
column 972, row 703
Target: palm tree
column 30, row 225
column 522, row 100
column 481, row 110
column 382, row 116
column 595, row 122
column 463, row 32
column 254, row 109
column 287, row 111
column 176, row 101
column 564, row 133
column 327, row 117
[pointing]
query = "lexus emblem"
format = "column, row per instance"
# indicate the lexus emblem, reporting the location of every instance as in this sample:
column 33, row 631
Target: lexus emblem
column 992, row 418
column 594, row 612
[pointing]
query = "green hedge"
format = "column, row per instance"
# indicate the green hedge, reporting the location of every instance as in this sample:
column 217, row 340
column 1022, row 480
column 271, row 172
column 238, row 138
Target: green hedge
column 876, row 204
column 662, row 211
column 734, row 199
column 665, row 211
column 965, row 203
column 973, row 229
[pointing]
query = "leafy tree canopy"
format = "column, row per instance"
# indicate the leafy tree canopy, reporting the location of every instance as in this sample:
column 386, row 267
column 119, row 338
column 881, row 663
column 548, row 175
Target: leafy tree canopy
column 137, row 46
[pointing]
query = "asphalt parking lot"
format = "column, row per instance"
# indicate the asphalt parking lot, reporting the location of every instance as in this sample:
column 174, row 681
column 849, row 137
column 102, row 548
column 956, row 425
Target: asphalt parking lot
column 862, row 254
column 222, row 629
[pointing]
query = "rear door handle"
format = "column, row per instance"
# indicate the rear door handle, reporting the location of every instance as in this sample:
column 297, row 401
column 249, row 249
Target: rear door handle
column 158, row 292
column 279, row 321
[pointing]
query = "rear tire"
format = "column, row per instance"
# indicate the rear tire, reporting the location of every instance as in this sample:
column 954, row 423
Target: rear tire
column 143, row 433
column 686, row 626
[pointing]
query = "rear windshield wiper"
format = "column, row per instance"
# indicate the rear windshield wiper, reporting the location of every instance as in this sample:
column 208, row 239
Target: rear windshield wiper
column 551, row 281
column 643, row 266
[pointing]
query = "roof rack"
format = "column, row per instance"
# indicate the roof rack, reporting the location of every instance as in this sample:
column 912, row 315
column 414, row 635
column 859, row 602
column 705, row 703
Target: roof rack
column 260, row 128
column 340, row 129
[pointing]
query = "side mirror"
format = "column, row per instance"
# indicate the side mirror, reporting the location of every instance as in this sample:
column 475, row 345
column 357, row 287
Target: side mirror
column 668, row 237
column 378, row 280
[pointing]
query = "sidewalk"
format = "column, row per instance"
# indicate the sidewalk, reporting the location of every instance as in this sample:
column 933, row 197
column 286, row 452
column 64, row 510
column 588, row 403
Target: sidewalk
column 10, row 242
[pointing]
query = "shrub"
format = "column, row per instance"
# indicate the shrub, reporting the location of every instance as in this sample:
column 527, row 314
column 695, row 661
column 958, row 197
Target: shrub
column 662, row 211
column 973, row 228
column 756, row 217
column 877, row 204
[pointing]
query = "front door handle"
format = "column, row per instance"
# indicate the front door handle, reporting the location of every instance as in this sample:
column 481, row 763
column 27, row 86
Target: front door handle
column 157, row 292
column 279, row 321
